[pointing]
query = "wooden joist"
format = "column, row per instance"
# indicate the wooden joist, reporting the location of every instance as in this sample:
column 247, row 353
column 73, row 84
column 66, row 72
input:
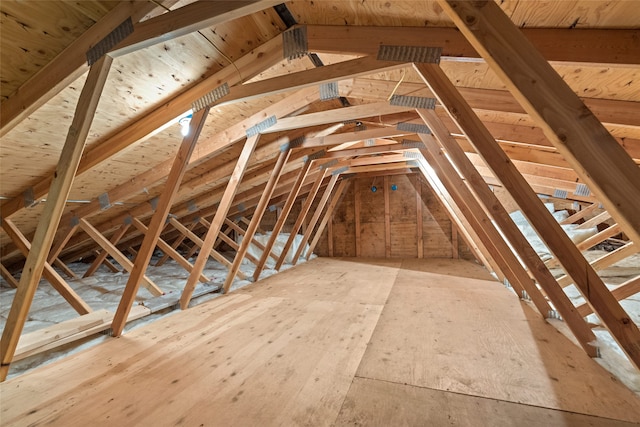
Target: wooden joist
column 605, row 261
column 328, row 215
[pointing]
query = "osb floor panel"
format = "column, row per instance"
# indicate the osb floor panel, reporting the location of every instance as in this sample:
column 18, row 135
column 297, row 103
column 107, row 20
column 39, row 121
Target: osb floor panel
column 334, row 341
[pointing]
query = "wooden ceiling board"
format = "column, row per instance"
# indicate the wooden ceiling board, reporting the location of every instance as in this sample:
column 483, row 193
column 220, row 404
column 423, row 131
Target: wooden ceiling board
column 34, row 32
column 575, row 13
column 414, row 13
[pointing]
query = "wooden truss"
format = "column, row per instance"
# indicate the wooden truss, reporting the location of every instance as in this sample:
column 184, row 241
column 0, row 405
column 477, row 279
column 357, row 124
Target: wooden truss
column 277, row 157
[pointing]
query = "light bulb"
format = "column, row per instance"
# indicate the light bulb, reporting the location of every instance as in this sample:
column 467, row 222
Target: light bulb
column 184, row 125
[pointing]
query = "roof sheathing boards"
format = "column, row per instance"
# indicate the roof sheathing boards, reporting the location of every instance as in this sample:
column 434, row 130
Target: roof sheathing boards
column 34, row 32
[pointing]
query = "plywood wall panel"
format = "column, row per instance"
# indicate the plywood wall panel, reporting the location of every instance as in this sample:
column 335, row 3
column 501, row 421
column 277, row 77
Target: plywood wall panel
column 372, row 239
column 403, row 239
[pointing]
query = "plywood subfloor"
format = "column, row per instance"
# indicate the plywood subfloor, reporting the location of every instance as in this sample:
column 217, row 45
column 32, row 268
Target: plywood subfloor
column 333, row 342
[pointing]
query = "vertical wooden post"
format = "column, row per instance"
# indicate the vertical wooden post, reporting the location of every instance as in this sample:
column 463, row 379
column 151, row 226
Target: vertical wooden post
column 387, row 219
column 419, row 225
column 454, row 241
column 301, row 217
column 282, row 218
column 219, row 217
column 330, row 236
column 157, row 223
column 54, row 206
column 356, row 206
column 257, row 217
column 568, row 124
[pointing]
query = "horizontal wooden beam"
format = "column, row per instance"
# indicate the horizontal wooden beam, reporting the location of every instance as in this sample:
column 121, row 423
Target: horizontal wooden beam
column 589, row 46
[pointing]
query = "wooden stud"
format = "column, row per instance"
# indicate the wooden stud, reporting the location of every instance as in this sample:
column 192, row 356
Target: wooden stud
column 257, row 217
column 570, row 126
column 293, row 194
column 387, row 218
column 59, row 246
column 110, row 265
column 242, row 232
column 358, row 196
column 132, row 251
column 158, row 221
column 328, row 215
column 120, row 258
column 223, row 236
column 102, row 255
column 218, row 219
column 609, row 310
column 419, row 232
column 303, row 213
column 454, row 242
column 316, row 216
column 54, row 206
column 330, row 236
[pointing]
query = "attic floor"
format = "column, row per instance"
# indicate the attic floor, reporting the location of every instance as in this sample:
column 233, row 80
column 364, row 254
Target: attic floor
column 334, row 342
